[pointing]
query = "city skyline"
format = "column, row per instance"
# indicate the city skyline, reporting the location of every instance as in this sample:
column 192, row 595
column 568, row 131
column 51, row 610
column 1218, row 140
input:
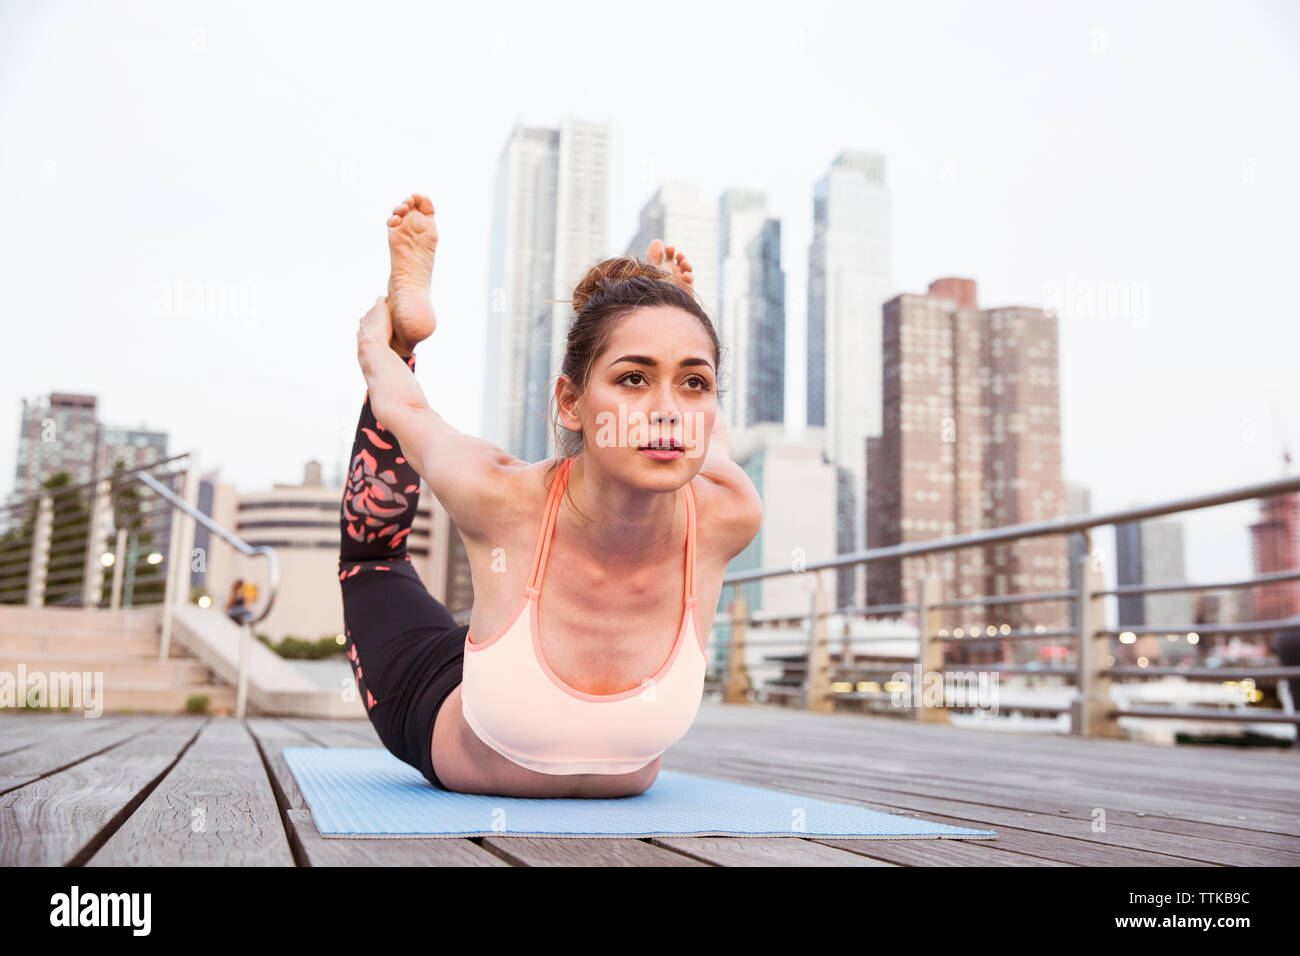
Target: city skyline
column 1077, row 196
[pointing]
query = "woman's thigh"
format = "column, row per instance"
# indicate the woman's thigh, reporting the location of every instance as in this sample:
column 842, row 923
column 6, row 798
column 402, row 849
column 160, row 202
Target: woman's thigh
column 406, row 653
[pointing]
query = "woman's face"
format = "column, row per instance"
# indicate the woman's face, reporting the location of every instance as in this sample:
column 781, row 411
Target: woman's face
column 655, row 384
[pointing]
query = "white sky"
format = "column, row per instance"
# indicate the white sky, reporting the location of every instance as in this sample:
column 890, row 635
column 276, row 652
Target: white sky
column 257, row 149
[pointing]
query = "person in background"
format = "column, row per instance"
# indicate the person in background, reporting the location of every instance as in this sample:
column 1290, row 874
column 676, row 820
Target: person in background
column 236, row 606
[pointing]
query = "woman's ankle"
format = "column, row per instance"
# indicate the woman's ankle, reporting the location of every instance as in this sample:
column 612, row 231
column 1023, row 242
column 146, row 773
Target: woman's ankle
column 404, row 351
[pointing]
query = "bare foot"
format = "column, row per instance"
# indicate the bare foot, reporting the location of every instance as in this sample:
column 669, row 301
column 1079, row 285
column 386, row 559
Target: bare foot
column 412, row 241
column 670, row 260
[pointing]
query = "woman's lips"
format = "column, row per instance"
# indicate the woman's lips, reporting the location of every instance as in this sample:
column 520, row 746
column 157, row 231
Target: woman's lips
column 662, row 454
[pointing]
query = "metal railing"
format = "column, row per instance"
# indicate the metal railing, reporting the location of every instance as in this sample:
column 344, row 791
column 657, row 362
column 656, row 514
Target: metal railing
column 55, row 544
column 809, row 675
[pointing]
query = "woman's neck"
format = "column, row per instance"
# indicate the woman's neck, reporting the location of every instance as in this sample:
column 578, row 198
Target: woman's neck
column 623, row 526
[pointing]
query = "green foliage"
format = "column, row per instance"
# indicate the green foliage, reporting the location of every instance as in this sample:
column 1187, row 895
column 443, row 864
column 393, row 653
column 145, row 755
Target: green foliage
column 69, row 532
column 197, row 703
column 300, row 648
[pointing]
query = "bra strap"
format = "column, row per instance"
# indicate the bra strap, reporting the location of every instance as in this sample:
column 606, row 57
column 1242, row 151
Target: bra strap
column 542, row 550
column 690, row 542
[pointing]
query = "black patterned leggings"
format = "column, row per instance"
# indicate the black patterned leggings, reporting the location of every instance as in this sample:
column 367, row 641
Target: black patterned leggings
column 405, row 648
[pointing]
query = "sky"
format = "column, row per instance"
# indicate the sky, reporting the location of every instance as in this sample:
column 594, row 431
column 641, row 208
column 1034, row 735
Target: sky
column 193, row 199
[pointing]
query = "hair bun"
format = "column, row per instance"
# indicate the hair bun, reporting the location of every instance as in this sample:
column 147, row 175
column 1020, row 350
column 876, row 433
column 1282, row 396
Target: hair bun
column 613, row 270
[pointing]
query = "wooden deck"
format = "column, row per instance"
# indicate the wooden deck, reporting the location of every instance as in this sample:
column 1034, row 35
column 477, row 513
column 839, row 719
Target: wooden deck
column 149, row 790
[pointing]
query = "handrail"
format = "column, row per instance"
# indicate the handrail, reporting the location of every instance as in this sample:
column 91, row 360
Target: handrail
column 1030, row 529
column 111, row 476
column 273, row 563
column 810, row 673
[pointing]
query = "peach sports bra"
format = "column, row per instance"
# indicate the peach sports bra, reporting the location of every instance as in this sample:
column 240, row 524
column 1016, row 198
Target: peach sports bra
column 521, row 708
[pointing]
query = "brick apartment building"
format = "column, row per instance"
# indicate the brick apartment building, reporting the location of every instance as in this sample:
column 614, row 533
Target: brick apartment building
column 971, row 439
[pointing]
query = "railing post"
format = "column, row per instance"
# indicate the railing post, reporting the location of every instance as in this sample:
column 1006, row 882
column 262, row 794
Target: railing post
column 169, row 583
column 1094, row 703
column 119, row 559
column 738, row 685
column 92, row 579
column 39, row 568
column 178, row 554
column 817, row 679
column 930, row 593
column 245, row 652
column 190, row 492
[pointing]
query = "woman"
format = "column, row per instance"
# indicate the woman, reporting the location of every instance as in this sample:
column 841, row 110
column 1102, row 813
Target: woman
column 575, row 689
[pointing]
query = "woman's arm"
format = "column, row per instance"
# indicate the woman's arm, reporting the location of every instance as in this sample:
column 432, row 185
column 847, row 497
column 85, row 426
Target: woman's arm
column 470, row 477
column 733, row 500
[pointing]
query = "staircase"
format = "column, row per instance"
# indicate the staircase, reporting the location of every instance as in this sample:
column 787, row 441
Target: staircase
column 115, row 654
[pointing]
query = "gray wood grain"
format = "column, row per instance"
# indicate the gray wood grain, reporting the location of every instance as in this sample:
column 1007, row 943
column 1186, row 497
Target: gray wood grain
column 275, row 734
column 939, row 853
column 214, row 808
column 431, row 851
column 76, row 739
column 586, row 851
column 67, row 784
column 57, row 819
column 765, row 851
column 272, row 736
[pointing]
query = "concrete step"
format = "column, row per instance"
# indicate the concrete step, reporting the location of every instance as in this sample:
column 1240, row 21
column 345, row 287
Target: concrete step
column 149, row 698
column 178, row 672
column 105, row 648
column 137, row 622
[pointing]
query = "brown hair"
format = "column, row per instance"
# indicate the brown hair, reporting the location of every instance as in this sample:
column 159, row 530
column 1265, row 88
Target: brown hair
column 609, row 292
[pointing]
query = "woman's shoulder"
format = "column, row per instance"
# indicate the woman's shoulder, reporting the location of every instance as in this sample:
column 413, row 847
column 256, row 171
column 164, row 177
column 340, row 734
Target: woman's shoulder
column 728, row 507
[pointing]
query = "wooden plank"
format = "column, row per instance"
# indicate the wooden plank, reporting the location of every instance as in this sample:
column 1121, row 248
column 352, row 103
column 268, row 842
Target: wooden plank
column 1182, row 816
column 274, row 735
column 1016, row 751
column 939, row 853
column 1216, row 766
column 67, row 746
column 897, row 770
column 1036, row 793
column 585, row 851
column 214, row 808
column 740, row 717
column 19, row 730
column 62, row 818
column 1048, row 846
column 1062, row 847
column 1205, row 849
column 386, row 851
column 765, row 851
column 1201, row 849
column 337, row 733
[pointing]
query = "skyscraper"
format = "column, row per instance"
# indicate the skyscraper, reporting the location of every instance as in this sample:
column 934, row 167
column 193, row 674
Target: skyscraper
column 849, row 277
column 62, row 432
column 677, row 215
column 1152, row 552
column 549, row 225
column 971, row 439
column 751, row 318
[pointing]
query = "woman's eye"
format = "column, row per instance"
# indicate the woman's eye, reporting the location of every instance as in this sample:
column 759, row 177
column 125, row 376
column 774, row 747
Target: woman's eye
column 631, row 375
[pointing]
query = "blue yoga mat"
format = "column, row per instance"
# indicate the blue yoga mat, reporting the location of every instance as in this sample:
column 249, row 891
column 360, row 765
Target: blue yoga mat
column 367, row 792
